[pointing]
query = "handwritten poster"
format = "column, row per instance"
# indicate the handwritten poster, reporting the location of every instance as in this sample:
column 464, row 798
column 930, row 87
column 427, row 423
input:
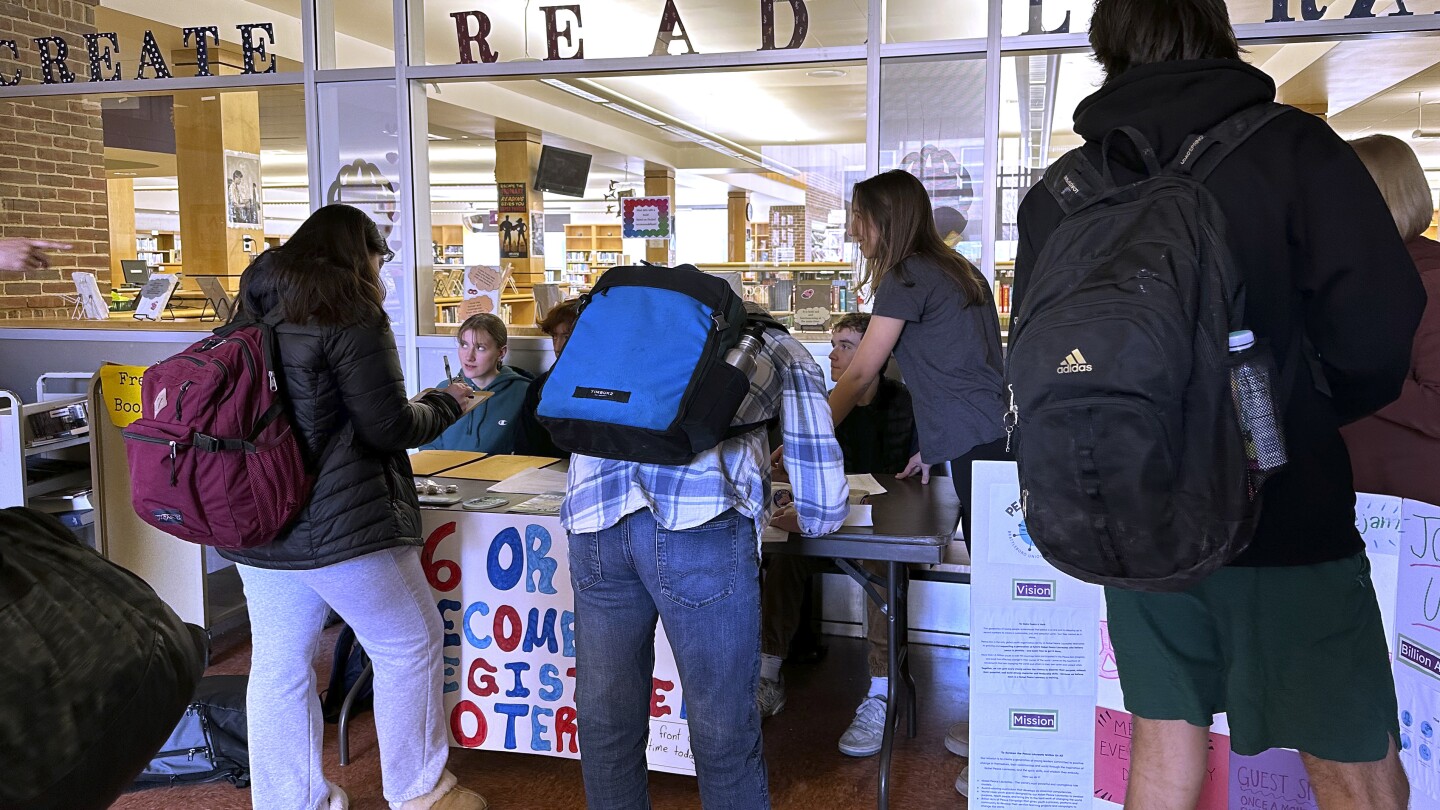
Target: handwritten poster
column 1417, row 649
column 1046, row 695
column 502, row 585
column 121, row 385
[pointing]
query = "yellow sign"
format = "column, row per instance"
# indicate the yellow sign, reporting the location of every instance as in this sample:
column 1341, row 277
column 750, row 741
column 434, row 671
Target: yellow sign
column 120, row 386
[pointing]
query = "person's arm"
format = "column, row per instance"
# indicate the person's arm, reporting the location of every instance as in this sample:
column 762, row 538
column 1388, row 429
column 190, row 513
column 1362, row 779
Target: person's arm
column 1362, row 295
column 869, row 361
column 1418, row 407
column 367, row 370
column 812, row 456
column 18, row 255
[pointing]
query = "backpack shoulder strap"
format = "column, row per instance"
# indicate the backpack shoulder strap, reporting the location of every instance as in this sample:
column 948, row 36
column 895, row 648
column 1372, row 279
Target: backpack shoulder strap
column 1073, row 181
column 1202, row 153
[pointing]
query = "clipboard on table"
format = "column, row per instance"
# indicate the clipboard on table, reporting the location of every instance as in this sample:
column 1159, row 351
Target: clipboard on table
column 498, row 468
column 433, row 462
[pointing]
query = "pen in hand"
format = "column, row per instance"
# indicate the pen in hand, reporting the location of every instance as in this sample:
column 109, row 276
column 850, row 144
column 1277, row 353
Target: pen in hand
column 449, row 378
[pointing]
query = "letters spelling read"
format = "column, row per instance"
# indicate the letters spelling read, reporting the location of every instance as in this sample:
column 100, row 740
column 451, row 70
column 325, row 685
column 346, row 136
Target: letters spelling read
column 671, row 28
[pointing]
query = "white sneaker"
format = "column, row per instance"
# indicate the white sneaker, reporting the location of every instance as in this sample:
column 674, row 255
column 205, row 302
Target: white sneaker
column 337, row 800
column 867, row 731
column 957, row 739
column 770, row 696
column 962, row 782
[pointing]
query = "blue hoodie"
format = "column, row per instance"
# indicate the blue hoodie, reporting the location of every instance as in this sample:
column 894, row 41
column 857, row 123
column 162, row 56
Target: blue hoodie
column 494, row 425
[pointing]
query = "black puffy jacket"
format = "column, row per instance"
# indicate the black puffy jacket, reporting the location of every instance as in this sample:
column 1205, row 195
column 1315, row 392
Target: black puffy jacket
column 348, row 403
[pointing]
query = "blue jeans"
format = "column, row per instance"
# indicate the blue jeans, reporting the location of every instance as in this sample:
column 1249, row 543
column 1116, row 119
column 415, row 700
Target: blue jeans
column 704, row 584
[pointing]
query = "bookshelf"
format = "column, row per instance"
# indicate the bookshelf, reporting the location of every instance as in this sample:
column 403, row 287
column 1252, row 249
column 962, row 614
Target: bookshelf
column 448, row 244
column 760, row 241
column 1004, row 281
column 158, row 248
column 45, row 459
column 591, row 250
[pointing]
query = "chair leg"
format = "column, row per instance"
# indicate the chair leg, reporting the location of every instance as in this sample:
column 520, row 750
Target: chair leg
column 360, row 684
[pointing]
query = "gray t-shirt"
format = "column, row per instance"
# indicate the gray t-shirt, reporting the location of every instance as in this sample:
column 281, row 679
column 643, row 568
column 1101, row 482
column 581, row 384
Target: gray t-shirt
column 950, row 356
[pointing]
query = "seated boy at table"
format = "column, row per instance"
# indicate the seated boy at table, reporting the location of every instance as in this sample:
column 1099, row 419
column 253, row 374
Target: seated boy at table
column 877, row 437
column 493, row 426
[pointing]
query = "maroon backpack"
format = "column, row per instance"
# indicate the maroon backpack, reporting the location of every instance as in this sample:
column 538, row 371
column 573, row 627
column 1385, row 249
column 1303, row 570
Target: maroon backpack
column 213, row 458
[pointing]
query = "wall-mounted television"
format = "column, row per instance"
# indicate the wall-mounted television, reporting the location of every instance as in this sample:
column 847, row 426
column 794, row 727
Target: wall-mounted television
column 562, row 171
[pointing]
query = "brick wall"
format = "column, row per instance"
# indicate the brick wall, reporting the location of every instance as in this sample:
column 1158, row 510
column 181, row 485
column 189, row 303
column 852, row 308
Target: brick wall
column 52, row 173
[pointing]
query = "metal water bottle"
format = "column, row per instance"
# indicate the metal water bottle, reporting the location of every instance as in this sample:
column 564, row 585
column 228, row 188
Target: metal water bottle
column 1252, row 390
column 742, row 355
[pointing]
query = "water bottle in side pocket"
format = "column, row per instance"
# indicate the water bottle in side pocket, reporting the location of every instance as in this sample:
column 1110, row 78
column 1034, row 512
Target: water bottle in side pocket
column 1252, row 389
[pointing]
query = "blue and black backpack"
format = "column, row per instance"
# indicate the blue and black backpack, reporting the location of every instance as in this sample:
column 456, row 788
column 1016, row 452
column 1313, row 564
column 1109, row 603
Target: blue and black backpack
column 643, row 377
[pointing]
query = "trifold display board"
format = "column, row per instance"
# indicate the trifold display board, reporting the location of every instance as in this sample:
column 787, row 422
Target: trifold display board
column 1048, row 724
column 502, row 584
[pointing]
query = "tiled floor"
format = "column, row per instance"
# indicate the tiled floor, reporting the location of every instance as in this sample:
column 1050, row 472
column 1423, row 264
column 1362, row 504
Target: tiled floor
column 806, row 769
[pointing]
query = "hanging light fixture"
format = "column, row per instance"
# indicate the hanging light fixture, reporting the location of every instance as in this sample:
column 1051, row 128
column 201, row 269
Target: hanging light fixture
column 1422, row 133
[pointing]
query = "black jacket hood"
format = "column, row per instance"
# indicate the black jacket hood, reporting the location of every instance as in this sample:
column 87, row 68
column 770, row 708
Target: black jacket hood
column 1169, row 101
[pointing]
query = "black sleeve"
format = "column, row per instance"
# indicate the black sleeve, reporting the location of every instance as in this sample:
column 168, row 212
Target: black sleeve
column 372, row 388
column 1038, row 217
column 1362, row 295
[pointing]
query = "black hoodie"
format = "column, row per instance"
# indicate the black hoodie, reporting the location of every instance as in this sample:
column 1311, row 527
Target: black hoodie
column 1321, row 258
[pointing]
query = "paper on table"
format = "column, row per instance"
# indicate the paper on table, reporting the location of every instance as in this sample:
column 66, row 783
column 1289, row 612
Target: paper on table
column 774, row 535
column 430, row 462
column 859, row 515
column 866, row 483
column 546, row 504
column 498, row 468
column 534, row 481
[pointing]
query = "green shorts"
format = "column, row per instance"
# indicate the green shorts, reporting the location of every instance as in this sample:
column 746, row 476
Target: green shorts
column 1296, row 657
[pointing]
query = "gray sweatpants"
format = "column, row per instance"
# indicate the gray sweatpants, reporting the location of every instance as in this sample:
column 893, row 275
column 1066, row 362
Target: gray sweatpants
column 385, row 598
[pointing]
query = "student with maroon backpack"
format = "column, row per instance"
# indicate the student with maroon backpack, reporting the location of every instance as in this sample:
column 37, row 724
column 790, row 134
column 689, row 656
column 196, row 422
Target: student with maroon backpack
column 354, row 546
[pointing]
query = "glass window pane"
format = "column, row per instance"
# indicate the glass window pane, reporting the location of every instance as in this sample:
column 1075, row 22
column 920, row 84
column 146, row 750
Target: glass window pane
column 1023, row 17
column 922, row 20
column 606, row 29
column 1039, row 95
column 932, row 124
column 194, row 183
column 360, row 166
column 361, row 33
column 757, row 165
column 148, row 40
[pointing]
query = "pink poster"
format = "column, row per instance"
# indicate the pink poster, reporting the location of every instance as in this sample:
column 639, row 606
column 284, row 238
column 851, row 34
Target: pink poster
column 1274, row 779
column 1112, row 761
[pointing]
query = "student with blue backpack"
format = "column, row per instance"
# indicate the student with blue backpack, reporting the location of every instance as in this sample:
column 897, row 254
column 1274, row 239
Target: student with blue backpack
column 1198, row 216
column 669, row 490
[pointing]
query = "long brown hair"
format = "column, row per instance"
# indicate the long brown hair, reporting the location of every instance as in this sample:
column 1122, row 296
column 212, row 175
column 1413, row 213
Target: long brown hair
column 323, row 274
column 897, row 208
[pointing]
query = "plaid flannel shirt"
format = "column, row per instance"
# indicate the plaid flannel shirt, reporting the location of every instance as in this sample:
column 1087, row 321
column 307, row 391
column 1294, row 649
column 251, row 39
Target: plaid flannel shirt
column 734, row 474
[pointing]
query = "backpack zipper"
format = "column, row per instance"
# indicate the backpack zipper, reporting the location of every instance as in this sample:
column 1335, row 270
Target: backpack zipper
column 179, row 398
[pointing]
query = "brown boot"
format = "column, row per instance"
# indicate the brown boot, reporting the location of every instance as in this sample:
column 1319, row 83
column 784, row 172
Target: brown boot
column 459, row 798
column 447, row 795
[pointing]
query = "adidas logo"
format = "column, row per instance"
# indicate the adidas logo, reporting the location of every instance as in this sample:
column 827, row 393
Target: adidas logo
column 1074, row 363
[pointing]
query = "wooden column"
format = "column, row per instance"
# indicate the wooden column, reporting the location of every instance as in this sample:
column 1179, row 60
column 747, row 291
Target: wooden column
column 207, row 124
column 120, row 195
column 738, row 246
column 660, row 182
column 517, row 156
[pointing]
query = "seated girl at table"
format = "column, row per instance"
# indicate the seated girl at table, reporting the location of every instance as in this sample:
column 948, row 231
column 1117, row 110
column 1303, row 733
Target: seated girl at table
column 494, row 425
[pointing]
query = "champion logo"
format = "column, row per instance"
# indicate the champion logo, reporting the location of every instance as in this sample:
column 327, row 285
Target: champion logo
column 1074, row 363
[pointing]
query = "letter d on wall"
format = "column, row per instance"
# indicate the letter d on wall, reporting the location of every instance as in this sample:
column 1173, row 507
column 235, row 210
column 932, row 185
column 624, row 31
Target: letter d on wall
column 767, row 25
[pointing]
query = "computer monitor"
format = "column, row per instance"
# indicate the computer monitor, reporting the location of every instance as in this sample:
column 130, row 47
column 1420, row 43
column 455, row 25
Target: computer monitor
column 136, row 272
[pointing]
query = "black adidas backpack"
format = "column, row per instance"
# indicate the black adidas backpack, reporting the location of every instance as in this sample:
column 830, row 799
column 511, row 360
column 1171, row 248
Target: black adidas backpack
column 1132, row 461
